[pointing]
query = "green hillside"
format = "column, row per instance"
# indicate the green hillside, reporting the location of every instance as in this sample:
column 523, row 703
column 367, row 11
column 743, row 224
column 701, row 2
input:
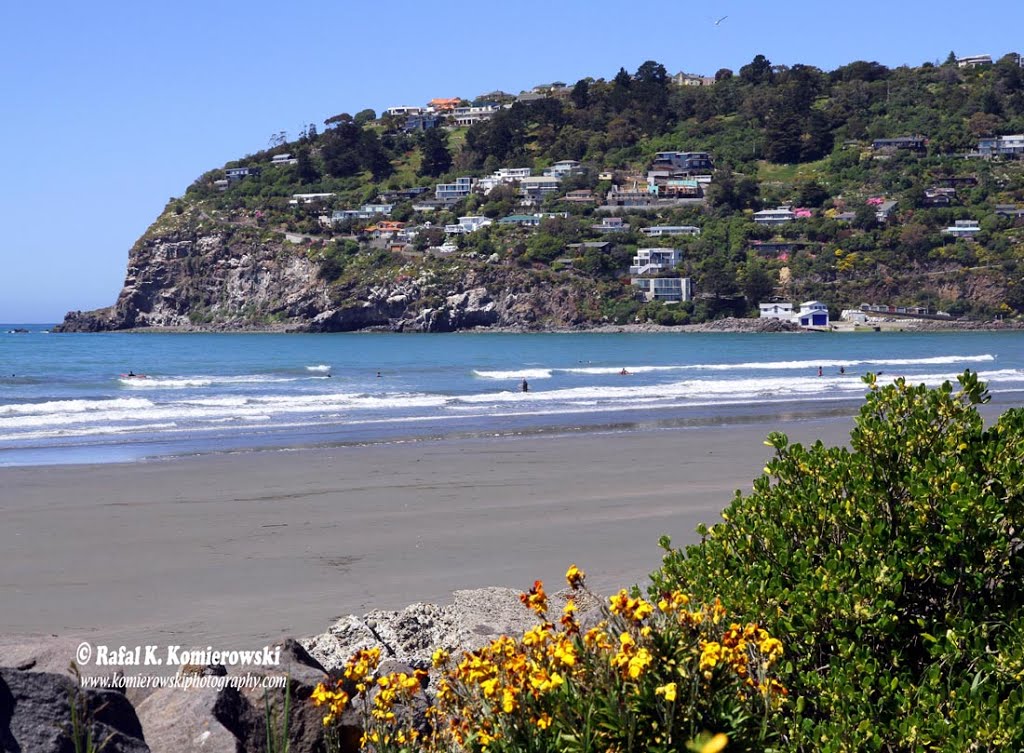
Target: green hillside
column 778, row 135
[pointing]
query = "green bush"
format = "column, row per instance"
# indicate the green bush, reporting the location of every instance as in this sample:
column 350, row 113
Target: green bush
column 893, row 571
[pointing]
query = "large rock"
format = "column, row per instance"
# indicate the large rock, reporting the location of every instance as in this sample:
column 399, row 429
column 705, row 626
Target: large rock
column 36, row 716
column 175, row 720
column 411, row 635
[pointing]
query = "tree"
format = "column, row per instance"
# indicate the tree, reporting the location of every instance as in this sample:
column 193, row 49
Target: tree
column 723, row 74
column 811, row 194
column 305, row 169
column 892, row 571
column 436, row 159
column 758, row 283
column 580, row 94
column 757, row 71
column 365, row 116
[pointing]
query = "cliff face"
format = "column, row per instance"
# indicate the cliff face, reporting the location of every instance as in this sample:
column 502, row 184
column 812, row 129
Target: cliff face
column 195, row 273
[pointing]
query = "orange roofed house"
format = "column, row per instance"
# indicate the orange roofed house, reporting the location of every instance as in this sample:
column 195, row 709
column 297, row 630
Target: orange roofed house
column 443, row 105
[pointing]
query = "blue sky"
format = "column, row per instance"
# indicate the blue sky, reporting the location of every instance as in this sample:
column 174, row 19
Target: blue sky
column 111, row 108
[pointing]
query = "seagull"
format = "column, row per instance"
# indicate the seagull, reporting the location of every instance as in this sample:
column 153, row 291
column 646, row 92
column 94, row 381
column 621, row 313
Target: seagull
column 720, row 20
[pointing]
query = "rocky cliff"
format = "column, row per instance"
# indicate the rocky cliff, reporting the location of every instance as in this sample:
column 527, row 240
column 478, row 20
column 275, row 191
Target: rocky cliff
column 192, row 271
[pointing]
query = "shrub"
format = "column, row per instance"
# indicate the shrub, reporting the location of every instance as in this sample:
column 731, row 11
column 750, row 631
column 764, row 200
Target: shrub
column 651, row 676
column 893, row 570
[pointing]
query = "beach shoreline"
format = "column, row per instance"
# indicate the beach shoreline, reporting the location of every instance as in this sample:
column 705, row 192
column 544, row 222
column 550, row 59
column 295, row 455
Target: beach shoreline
column 242, row 549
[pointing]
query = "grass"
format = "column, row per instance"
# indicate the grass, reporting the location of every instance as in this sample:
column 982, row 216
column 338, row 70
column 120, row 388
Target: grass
column 771, row 172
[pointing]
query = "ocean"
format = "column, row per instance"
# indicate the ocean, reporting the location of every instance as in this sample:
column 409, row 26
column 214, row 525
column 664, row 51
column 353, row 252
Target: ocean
column 68, row 398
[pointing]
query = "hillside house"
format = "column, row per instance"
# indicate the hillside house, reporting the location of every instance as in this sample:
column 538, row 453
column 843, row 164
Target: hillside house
column 504, row 176
column 778, row 216
column 1002, row 146
column 973, row 61
column 655, row 260
column 884, row 209
column 309, row 198
column 521, row 220
column 778, row 310
column 582, row 196
column 449, row 193
column 685, row 163
column 692, row 79
column 1012, row 211
column 564, row 168
column 963, row 229
column 915, row 143
column 533, row 190
column 467, row 225
column 442, row 104
column 611, row 225
column 283, row 159
column 421, row 122
column 404, row 111
column 938, row 196
column 665, row 289
column 467, row 116
column 660, row 230
column 235, row 174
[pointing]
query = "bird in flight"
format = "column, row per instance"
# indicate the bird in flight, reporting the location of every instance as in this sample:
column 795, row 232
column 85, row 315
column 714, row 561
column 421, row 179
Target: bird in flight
column 719, row 21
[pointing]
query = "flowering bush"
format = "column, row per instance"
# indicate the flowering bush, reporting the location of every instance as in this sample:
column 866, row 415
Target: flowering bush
column 893, row 569
column 649, row 676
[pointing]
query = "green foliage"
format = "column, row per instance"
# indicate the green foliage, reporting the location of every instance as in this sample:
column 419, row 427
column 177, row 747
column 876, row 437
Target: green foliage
column 893, row 571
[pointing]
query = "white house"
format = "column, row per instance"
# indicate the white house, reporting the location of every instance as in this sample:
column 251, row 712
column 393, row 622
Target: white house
column 812, row 314
column 309, row 198
column 535, row 189
column 854, row 315
column 973, row 61
column 963, row 229
column 467, row 116
column 777, row 216
column 450, row 193
column 652, row 260
column 666, row 289
column 404, row 110
column 467, row 225
column 660, row 230
column 504, row 176
column 1002, row 146
column 283, row 159
column 564, row 167
column 783, row 311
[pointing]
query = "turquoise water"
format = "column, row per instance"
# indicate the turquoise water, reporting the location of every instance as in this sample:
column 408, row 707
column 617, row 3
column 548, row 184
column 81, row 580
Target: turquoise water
column 66, row 398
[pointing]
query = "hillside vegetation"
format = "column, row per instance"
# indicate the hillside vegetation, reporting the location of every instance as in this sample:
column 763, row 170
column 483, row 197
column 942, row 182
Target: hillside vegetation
column 778, row 135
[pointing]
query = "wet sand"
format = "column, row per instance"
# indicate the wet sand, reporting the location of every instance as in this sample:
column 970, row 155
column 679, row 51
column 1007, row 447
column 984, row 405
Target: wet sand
column 238, row 550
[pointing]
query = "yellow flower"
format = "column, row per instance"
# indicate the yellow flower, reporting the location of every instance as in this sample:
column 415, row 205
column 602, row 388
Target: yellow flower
column 716, row 744
column 574, row 576
column 508, row 701
column 536, row 599
column 543, row 721
column 669, row 691
column 440, row 657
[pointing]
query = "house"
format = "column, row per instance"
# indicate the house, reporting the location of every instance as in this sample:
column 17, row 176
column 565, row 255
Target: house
column 617, row 198
column 579, row 248
column 564, row 168
column 963, row 229
column 916, row 143
column 441, row 104
column 845, row 216
column 783, row 311
column 884, row 209
column 652, row 260
column 402, row 194
column 504, row 176
column 683, row 162
column 582, row 196
column 973, row 61
column 665, row 289
column 1010, row 210
column 385, row 229
column 402, row 111
column 692, row 79
column 522, row 220
column 235, row 174
column 812, row 314
column 677, row 188
column 449, row 193
column 467, row 225
column 221, row 185
column 421, row 122
column 778, row 216
column 660, row 230
column 309, row 198
column 611, row 225
column 939, row 196
column 854, row 315
column 531, row 96
column 467, row 116
column 533, row 190
column 365, row 212
column 427, row 205
column 283, row 159
column 1002, row 146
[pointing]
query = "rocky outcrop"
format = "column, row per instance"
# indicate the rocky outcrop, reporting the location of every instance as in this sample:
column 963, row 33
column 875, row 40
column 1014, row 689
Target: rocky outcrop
column 36, row 715
column 194, row 273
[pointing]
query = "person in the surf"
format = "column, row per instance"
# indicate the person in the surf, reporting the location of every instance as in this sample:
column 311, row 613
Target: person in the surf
column 525, row 386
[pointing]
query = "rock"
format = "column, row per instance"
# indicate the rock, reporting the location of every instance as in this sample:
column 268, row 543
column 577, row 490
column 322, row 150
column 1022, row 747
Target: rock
column 35, row 715
column 176, row 720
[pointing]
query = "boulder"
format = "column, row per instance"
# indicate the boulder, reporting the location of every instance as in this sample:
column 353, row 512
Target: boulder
column 36, row 716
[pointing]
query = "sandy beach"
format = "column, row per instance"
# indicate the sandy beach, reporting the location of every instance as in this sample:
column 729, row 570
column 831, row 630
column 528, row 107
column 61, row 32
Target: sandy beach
column 242, row 549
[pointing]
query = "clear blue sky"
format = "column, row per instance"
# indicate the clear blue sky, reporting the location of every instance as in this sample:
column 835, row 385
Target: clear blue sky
column 111, row 108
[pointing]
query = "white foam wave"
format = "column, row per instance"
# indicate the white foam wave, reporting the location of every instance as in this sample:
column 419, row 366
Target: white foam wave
column 73, row 406
column 783, row 365
column 520, row 374
column 177, row 383
column 321, row 368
